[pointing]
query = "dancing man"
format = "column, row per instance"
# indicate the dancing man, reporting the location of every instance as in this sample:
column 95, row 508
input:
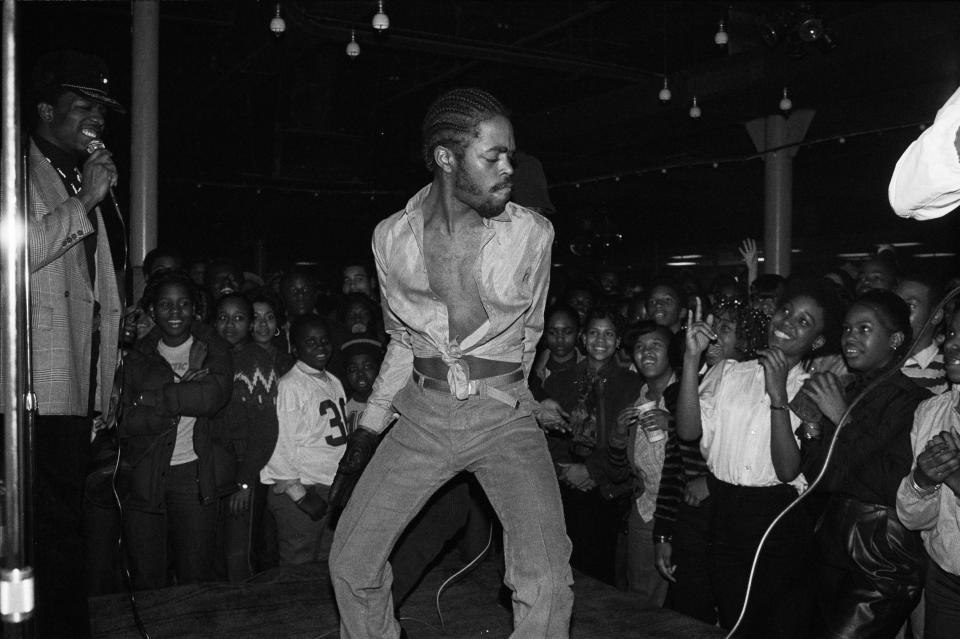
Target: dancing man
column 463, row 276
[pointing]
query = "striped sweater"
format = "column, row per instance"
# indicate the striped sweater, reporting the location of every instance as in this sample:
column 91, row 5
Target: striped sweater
column 927, row 370
column 672, row 480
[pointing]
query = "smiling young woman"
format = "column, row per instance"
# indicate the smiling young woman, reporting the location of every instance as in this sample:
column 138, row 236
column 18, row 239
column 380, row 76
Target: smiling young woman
column 871, row 565
column 748, row 439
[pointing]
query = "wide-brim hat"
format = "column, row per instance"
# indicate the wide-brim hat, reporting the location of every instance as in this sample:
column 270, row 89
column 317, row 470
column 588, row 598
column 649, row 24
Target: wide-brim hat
column 84, row 74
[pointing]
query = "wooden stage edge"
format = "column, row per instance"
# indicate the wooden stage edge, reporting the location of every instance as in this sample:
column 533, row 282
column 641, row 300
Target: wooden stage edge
column 297, row 603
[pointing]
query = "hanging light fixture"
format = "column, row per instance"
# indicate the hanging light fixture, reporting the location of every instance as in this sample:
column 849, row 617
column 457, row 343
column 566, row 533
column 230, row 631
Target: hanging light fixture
column 785, row 102
column 721, row 38
column 695, row 110
column 353, row 49
column 277, row 24
column 665, row 93
column 380, row 22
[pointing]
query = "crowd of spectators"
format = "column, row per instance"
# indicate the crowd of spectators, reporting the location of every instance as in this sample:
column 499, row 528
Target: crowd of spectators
column 681, row 419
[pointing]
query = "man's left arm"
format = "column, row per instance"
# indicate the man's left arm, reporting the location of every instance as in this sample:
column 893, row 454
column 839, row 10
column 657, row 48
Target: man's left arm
column 533, row 318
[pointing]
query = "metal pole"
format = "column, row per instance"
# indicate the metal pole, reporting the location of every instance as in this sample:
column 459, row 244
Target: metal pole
column 16, row 576
column 778, row 202
column 144, row 137
column 774, row 132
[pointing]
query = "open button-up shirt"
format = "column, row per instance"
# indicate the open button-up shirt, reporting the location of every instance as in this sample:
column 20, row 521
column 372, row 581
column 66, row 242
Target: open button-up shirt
column 512, row 272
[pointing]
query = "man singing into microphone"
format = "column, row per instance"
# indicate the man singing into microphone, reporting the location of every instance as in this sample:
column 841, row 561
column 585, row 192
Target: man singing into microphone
column 76, row 266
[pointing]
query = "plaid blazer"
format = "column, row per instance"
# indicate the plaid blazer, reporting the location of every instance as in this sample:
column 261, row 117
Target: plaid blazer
column 62, row 297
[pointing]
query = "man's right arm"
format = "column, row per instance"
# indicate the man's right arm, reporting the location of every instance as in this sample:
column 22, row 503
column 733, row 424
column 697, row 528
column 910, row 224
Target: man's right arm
column 53, row 231
column 397, row 363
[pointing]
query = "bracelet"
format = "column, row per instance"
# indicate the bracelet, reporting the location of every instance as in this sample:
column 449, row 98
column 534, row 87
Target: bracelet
column 923, row 492
column 662, row 539
column 772, row 407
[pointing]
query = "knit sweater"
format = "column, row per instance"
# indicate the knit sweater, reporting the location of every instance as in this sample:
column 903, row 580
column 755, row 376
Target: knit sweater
column 247, row 426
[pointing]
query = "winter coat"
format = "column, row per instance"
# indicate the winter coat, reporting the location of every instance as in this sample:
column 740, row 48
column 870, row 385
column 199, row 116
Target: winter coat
column 148, row 433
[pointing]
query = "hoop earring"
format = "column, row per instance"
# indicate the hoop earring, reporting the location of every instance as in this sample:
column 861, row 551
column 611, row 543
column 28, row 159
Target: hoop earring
column 276, row 333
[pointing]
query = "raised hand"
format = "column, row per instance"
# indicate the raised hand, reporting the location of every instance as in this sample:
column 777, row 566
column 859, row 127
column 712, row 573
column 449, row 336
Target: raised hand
column 825, row 391
column 775, row 369
column 99, row 175
column 748, row 251
column 699, row 333
column 939, row 462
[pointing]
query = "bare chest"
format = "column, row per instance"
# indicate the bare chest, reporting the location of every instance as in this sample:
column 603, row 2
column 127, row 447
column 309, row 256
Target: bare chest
column 451, row 262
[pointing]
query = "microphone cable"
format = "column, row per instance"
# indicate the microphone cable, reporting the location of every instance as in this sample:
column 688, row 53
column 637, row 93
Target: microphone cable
column 121, row 540
column 473, row 563
column 95, row 145
column 844, row 419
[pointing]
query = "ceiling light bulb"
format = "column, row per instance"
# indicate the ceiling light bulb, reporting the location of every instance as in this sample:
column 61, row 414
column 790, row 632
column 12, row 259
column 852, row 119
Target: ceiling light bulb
column 721, row 38
column 665, row 94
column 810, row 29
column 695, row 110
column 785, row 102
column 353, row 49
column 380, row 22
column 277, row 24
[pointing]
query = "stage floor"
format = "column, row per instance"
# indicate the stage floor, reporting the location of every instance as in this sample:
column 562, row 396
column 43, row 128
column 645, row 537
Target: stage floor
column 297, row 603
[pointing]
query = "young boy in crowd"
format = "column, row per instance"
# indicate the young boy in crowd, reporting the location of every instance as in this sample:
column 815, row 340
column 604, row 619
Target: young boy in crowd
column 925, row 363
column 665, row 305
column 312, row 438
column 361, row 360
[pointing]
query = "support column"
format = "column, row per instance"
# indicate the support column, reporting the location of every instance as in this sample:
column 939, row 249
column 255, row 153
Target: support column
column 769, row 135
column 17, row 582
column 144, row 135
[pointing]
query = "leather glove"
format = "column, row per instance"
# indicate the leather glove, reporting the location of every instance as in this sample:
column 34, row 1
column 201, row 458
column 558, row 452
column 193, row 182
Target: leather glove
column 360, row 447
column 312, row 504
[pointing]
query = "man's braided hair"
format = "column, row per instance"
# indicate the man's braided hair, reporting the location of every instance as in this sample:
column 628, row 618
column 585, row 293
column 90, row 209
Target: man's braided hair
column 453, row 118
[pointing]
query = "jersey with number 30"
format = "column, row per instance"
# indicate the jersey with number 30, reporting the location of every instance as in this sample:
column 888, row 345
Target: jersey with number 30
column 313, row 433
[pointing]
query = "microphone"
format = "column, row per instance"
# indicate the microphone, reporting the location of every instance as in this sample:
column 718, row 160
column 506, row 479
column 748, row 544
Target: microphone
column 95, row 145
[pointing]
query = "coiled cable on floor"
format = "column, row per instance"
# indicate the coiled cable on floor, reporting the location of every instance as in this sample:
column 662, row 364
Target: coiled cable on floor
column 833, row 442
